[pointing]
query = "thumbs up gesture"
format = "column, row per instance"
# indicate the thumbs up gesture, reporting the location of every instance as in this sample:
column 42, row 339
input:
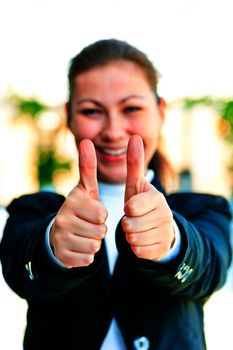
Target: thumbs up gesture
column 79, row 226
column 148, row 221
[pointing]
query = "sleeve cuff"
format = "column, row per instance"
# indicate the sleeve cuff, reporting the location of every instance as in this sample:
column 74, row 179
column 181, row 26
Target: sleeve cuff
column 48, row 248
column 175, row 250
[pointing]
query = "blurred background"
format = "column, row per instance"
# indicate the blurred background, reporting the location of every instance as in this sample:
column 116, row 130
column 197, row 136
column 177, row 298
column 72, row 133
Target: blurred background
column 190, row 43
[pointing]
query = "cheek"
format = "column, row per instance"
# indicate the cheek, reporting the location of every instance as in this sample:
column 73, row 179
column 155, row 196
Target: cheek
column 148, row 129
column 85, row 129
column 138, row 127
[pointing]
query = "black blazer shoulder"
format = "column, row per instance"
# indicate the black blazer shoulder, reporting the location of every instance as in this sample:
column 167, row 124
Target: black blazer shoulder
column 190, row 204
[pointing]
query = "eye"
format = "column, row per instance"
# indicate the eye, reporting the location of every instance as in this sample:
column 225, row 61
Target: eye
column 90, row 111
column 132, row 109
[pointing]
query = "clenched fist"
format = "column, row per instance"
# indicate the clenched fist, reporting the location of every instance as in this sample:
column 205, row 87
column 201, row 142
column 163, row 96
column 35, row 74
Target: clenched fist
column 79, row 227
column 148, row 221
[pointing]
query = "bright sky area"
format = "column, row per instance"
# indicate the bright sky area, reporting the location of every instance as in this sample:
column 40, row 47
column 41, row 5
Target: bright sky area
column 189, row 41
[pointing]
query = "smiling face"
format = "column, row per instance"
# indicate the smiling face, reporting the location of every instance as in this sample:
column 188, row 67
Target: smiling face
column 109, row 104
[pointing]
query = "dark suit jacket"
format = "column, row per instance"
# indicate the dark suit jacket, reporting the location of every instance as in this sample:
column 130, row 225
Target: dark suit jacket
column 160, row 303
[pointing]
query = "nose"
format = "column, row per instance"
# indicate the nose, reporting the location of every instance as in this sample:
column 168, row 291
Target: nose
column 115, row 128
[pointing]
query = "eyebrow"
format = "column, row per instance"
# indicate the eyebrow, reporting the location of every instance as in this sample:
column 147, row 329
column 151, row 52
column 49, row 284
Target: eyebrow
column 88, row 100
column 99, row 103
column 131, row 96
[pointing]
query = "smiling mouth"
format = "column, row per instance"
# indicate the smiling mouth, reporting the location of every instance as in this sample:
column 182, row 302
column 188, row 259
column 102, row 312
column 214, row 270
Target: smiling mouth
column 115, row 152
column 112, row 152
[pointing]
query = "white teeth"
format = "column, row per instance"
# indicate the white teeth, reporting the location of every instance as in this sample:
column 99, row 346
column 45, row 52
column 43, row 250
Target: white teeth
column 115, row 152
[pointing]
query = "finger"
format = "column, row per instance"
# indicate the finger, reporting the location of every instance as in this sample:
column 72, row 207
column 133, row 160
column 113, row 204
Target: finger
column 73, row 259
column 80, row 244
column 161, row 235
column 151, row 252
column 79, row 204
column 145, row 238
column 135, row 180
column 86, row 229
column 88, row 168
column 134, row 223
column 78, row 226
column 138, row 219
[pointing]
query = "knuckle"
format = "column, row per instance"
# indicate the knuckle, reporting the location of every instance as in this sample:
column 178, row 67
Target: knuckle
column 60, row 237
column 100, row 214
column 131, row 208
column 100, row 231
column 125, row 224
column 131, row 239
column 138, row 251
column 94, row 246
column 69, row 202
column 60, row 221
column 88, row 259
column 62, row 256
column 105, row 228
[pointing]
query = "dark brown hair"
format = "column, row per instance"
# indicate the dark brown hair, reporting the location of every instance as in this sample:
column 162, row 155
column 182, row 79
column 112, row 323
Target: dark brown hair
column 101, row 53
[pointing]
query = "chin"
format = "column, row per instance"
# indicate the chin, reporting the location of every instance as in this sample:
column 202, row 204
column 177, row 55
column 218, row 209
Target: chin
column 112, row 177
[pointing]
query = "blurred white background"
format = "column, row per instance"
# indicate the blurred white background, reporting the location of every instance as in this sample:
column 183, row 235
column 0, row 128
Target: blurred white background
column 189, row 41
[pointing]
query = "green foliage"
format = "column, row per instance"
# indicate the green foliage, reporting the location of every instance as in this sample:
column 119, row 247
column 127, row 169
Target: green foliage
column 227, row 114
column 48, row 164
column 217, row 104
column 190, row 103
column 49, row 161
column 225, row 109
column 222, row 106
column 29, row 106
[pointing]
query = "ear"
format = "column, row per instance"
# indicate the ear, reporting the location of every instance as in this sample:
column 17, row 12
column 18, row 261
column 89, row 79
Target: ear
column 162, row 105
column 66, row 107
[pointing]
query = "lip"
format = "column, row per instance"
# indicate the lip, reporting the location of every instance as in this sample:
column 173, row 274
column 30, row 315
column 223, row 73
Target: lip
column 111, row 154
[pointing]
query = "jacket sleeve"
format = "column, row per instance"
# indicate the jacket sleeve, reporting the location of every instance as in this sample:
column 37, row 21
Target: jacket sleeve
column 26, row 266
column 201, row 267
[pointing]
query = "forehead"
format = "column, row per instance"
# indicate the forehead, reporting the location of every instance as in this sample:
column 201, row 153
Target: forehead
column 117, row 75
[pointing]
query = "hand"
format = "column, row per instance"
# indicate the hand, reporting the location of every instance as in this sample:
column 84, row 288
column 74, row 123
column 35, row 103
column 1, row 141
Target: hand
column 79, row 227
column 148, row 221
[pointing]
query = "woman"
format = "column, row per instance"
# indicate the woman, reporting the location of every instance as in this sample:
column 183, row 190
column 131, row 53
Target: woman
column 172, row 250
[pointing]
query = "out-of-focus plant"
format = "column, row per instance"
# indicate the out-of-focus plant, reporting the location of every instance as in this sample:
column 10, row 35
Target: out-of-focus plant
column 27, row 106
column 48, row 125
column 49, row 164
column 227, row 114
column 224, row 108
